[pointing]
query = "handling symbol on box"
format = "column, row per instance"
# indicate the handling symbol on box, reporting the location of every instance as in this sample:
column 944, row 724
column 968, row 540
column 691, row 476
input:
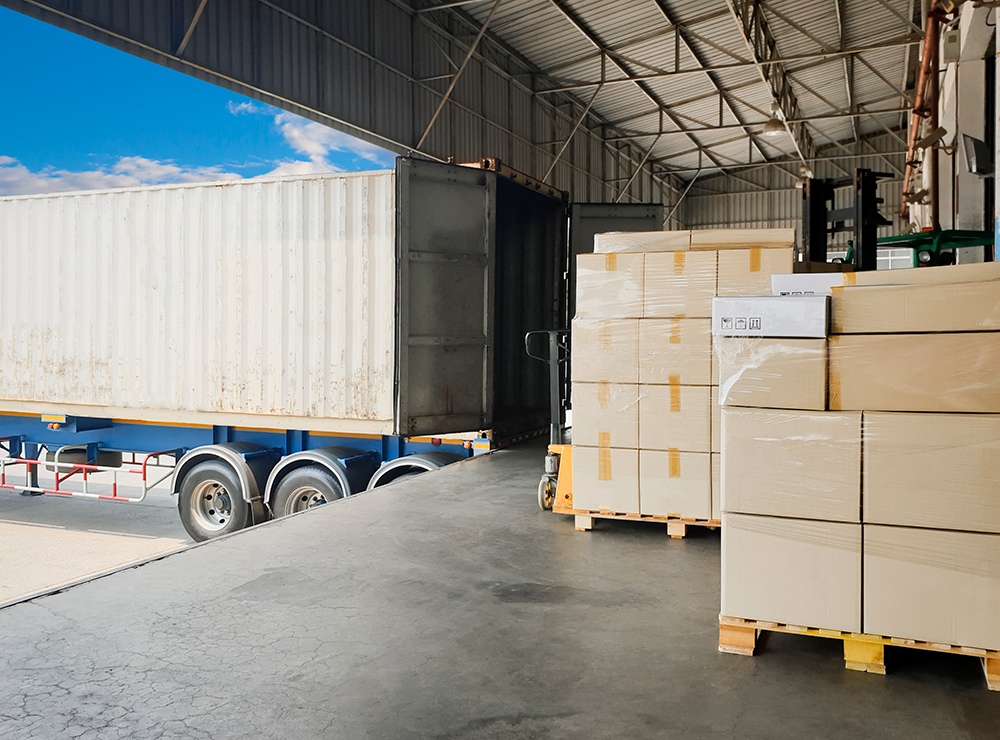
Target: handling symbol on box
column 727, row 322
column 755, row 323
column 741, row 323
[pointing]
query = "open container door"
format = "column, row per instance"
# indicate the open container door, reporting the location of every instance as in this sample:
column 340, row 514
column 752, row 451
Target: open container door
column 445, row 252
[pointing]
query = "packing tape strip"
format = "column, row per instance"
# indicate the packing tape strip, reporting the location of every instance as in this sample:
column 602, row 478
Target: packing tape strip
column 605, row 336
column 604, row 463
column 604, row 394
column 836, row 326
column 755, row 259
column 675, row 393
column 835, row 401
column 850, row 278
column 604, row 439
column 611, row 262
column 679, row 260
column 675, row 331
column 674, row 462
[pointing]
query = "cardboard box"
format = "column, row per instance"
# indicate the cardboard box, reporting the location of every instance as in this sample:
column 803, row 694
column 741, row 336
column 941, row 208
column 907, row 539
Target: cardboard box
column 940, row 471
column 716, row 486
column 932, row 585
column 792, row 571
column 794, row 284
column 679, row 285
column 915, row 372
column 898, row 309
column 641, row 241
column 606, row 415
column 772, row 373
column 748, row 271
column 770, row 316
column 675, row 417
column 675, row 483
column 716, row 421
column 609, row 286
column 605, row 479
column 606, row 350
column 742, row 238
column 802, row 464
column 677, row 351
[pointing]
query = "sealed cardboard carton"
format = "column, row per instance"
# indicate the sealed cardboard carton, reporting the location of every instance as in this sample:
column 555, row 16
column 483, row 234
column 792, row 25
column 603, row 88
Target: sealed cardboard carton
column 675, row 417
column 716, row 421
column 772, row 373
column 606, row 350
column 803, row 464
column 940, row 471
column 606, row 415
column 675, row 483
column 641, row 241
column 748, row 271
column 899, row 309
column 932, row 585
column 805, row 284
column 679, row 285
column 716, row 487
column 609, row 286
column 915, row 372
column 792, row 571
column 677, row 351
column 770, row 316
column 742, row 238
column 606, row 479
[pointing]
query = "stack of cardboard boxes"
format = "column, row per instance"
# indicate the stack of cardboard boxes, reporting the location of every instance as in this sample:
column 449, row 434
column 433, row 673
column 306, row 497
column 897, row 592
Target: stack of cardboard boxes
column 880, row 512
column 646, row 433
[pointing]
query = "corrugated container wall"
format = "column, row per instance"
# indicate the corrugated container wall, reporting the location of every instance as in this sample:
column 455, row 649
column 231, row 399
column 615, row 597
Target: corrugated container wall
column 271, row 298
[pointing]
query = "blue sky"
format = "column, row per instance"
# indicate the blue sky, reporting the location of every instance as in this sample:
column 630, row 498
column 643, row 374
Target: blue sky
column 81, row 115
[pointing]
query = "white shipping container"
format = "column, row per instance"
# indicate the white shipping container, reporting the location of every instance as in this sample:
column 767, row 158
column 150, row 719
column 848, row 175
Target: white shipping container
column 264, row 303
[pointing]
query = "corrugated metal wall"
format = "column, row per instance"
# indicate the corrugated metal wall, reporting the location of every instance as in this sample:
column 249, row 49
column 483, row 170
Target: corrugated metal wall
column 766, row 197
column 271, row 297
column 376, row 70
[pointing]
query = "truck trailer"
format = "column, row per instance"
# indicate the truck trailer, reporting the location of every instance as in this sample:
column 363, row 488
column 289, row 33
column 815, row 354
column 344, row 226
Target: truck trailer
column 272, row 344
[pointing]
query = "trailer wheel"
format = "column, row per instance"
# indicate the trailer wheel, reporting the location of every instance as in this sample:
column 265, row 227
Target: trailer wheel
column 211, row 502
column 546, row 492
column 305, row 488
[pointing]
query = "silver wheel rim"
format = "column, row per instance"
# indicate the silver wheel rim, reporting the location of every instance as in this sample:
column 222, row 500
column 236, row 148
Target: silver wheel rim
column 305, row 497
column 211, row 505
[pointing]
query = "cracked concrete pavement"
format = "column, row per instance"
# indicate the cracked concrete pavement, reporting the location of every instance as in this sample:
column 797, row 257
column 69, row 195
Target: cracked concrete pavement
column 446, row 606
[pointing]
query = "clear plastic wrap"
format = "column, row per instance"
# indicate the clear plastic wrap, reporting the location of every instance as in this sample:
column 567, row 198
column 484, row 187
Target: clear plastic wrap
column 800, row 464
column 679, row 284
column 605, row 479
column 675, row 351
column 675, row 483
column 606, row 350
column 772, row 373
column 641, row 241
column 932, row 470
column 606, row 415
column 741, row 238
column 609, row 286
column 915, row 372
column 902, row 309
column 748, row 271
column 675, row 417
column 820, row 284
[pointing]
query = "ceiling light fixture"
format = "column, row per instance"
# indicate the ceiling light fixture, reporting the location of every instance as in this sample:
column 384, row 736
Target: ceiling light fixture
column 774, row 125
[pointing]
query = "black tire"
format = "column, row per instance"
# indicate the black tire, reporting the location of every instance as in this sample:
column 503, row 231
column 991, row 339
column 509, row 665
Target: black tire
column 305, row 488
column 211, row 502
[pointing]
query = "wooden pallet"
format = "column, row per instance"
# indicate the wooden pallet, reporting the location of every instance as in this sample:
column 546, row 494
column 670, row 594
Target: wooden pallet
column 862, row 652
column 676, row 525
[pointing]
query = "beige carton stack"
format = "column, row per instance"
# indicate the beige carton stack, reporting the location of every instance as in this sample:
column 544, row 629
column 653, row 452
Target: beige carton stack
column 880, row 514
column 645, row 423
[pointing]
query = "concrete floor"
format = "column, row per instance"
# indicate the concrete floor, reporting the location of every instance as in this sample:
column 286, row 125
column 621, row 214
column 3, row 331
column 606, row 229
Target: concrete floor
column 447, row 606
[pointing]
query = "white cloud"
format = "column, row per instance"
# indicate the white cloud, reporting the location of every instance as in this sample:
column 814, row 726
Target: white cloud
column 316, row 141
column 246, row 107
column 16, row 179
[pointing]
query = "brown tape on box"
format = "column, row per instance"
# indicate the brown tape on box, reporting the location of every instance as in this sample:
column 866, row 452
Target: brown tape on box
column 850, row 278
column 611, row 262
column 604, row 439
column 604, row 336
column 674, row 462
column 604, row 463
column 604, row 394
column 834, row 401
column 675, row 331
column 675, row 393
column 755, row 259
column 679, row 259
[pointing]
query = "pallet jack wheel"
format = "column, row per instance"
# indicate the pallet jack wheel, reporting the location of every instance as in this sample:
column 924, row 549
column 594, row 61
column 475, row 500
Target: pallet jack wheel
column 546, row 492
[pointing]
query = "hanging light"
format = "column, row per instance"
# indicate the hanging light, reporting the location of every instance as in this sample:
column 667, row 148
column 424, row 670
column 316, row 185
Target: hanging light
column 774, row 125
